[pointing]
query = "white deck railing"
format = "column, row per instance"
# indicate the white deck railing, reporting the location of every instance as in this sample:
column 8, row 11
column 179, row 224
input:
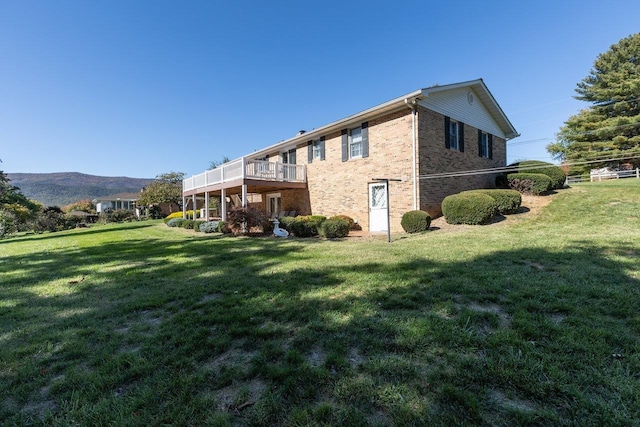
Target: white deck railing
column 246, row 169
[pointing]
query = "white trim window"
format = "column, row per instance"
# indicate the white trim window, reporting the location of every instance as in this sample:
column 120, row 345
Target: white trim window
column 454, row 141
column 355, row 142
column 484, row 145
column 317, row 149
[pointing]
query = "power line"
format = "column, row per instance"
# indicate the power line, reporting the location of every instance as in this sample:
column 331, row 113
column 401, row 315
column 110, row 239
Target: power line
column 507, row 169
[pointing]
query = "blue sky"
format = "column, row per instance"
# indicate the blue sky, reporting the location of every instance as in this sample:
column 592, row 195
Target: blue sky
column 138, row 88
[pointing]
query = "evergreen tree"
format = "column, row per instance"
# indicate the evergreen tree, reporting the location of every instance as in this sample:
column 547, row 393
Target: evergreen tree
column 610, row 127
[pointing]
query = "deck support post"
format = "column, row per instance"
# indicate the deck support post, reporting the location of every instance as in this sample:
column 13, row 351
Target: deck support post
column 206, row 206
column 223, row 204
column 244, row 195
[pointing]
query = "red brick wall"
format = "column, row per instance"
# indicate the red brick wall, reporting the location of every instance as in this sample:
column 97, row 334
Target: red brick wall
column 434, row 157
column 337, row 187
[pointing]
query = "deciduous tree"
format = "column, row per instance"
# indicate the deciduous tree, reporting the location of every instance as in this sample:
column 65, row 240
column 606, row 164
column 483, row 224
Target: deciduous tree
column 166, row 188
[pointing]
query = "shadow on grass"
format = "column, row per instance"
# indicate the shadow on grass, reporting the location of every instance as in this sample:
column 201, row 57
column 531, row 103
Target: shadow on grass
column 272, row 332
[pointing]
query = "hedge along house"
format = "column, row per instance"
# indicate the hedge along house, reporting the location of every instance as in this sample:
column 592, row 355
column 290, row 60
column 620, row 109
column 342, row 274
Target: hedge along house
column 331, row 170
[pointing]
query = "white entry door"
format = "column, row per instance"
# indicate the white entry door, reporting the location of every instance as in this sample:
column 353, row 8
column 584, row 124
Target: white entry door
column 378, row 206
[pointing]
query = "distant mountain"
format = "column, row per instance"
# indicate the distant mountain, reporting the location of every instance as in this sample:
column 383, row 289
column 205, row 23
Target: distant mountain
column 60, row 189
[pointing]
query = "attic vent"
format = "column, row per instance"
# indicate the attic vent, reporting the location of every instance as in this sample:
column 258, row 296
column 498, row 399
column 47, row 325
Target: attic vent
column 300, row 132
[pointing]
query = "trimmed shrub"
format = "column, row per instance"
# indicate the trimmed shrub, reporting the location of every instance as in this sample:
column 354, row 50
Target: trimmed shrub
column 415, row 221
column 352, row 223
column 286, row 221
column 197, row 224
column 307, row 226
column 174, row 222
column 189, row 224
column 172, row 215
column 468, row 208
column 210, row 227
column 334, row 227
column 507, row 201
column 555, row 173
column 531, row 183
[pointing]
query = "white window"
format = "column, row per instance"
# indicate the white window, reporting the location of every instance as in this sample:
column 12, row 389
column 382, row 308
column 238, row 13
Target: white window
column 355, row 142
column 317, row 149
column 454, row 143
column 484, row 145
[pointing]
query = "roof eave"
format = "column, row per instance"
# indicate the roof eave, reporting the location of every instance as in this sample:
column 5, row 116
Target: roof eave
column 487, row 98
column 389, row 106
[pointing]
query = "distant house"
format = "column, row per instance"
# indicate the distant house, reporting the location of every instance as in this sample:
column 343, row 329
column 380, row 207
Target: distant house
column 421, row 139
column 120, row 201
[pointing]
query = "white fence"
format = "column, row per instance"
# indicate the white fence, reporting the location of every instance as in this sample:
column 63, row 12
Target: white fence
column 604, row 175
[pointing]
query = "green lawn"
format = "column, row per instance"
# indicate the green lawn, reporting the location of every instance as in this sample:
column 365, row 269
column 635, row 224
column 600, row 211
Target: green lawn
column 534, row 320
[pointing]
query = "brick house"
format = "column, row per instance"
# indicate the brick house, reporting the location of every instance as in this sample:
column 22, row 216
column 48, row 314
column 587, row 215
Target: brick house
column 331, row 170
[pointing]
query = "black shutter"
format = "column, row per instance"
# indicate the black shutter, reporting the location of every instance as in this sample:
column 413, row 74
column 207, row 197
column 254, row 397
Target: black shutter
column 461, row 136
column 345, row 145
column 365, row 139
column 309, row 151
column 479, row 143
column 322, row 148
column 490, row 146
column 447, row 136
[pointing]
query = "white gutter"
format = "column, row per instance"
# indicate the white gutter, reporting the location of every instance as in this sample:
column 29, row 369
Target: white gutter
column 412, row 105
column 394, row 104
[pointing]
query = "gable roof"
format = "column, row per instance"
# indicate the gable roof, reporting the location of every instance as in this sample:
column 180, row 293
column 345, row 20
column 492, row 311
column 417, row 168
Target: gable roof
column 404, row 101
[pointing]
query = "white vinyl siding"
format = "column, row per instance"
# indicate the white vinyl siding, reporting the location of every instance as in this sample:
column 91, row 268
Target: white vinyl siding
column 455, row 103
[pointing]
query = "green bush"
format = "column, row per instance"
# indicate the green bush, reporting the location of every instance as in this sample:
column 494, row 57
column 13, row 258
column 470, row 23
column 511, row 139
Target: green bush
column 468, row 208
column 197, row 224
column 154, row 212
column 307, row 226
column 73, row 221
column 415, row 221
column 172, row 215
column 223, row 227
column 352, row 223
column 50, row 219
column 189, row 224
column 507, row 201
column 555, row 173
column 286, row 221
column 334, row 227
column 7, row 223
column 210, row 227
column 118, row 215
column 532, row 183
column 174, row 222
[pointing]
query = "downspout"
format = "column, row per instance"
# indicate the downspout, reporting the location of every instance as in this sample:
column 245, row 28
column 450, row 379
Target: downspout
column 412, row 105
